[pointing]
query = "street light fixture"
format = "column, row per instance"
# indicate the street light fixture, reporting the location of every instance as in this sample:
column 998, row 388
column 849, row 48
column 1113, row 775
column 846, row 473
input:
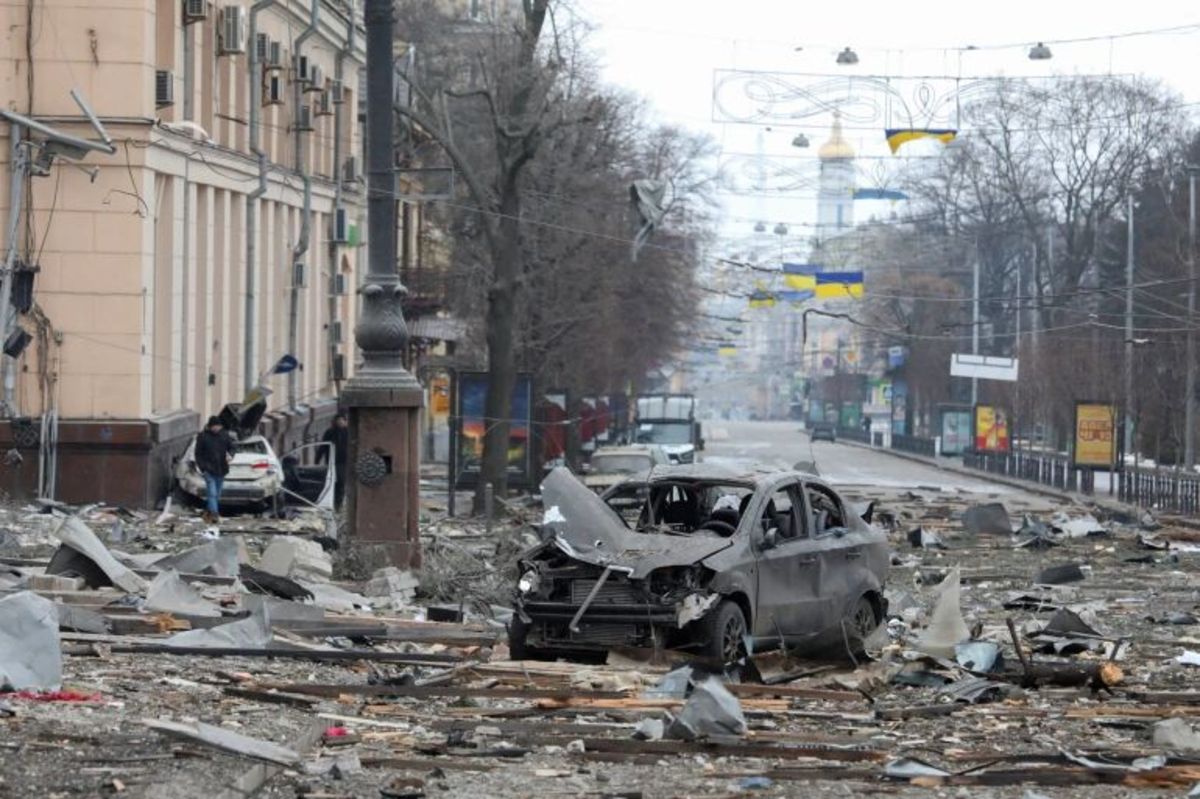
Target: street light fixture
column 760, row 227
column 847, row 57
column 780, row 229
column 1040, row 52
column 800, row 140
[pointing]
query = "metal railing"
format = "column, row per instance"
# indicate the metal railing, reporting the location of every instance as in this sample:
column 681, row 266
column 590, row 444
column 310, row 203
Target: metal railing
column 1049, row 469
column 1160, row 489
column 914, row 444
column 854, row 434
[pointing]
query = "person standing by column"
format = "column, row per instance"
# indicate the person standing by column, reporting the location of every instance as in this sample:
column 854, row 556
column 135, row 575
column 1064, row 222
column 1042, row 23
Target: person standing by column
column 214, row 451
column 338, row 435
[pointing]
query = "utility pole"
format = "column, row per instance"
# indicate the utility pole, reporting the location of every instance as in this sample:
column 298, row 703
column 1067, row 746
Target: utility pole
column 975, row 325
column 1129, row 329
column 1189, row 391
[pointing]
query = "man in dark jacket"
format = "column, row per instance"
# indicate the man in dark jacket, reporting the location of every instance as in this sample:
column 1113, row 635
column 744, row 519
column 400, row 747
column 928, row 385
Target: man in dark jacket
column 338, row 434
column 214, row 451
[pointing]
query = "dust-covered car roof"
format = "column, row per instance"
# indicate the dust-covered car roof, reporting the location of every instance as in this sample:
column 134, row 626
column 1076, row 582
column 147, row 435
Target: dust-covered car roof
column 717, row 473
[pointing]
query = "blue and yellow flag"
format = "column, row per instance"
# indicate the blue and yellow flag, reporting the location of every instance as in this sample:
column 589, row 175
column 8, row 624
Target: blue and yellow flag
column 762, row 299
column 879, row 194
column 797, row 297
column 896, row 137
column 801, row 277
column 726, row 350
column 839, row 285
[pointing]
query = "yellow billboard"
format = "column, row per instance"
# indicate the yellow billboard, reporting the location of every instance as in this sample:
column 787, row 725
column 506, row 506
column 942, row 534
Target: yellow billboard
column 1095, row 435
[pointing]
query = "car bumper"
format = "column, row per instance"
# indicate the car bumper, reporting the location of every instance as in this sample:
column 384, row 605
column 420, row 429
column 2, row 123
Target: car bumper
column 600, row 627
column 233, row 492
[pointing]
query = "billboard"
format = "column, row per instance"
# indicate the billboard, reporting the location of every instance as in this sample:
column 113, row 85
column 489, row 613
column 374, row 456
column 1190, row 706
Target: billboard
column 1095, row 436
column 472, row 401
column 991, row 429
column 983, row 367
column 956, row 431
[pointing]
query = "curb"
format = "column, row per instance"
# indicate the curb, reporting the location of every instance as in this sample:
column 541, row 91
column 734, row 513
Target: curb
column 1031, row 488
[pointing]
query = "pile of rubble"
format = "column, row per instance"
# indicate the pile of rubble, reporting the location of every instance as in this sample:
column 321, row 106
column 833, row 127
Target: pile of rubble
column 1056, row 653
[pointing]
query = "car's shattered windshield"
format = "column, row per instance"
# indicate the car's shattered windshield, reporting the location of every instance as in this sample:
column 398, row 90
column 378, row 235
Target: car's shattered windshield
column 682, row 507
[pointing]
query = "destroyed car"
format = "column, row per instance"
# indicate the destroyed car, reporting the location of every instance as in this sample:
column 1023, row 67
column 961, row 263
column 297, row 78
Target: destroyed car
column 258, row 479
column 612, row 465
column 699, row 558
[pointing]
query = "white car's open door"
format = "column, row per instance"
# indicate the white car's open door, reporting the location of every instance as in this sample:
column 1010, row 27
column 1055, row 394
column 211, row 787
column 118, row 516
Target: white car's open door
column 309, row 473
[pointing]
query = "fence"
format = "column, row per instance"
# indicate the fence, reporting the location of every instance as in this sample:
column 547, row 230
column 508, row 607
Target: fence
column 854, row 434
column 1160, row 489
column 1049, row 469
column 913, row 444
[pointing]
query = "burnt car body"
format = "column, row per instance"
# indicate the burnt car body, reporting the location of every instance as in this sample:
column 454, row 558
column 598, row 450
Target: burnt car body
column 698, row 558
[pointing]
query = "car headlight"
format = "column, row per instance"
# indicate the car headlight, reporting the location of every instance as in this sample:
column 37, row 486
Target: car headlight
column 529, row 581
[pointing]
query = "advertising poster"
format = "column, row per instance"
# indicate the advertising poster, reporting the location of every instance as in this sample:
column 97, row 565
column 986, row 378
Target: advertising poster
column 1095, row 435
column 553, row 415
column 991, row 429
column 956, row 431
column 472, row 400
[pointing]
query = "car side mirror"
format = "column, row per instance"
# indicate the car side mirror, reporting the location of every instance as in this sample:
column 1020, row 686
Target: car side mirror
column 770, row 538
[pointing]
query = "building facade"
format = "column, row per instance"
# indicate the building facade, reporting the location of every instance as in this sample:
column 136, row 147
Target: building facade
column 220, row 236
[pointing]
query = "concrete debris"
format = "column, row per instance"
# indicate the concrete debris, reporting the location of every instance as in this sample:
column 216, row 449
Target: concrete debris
column 83, row 554
column 649, row 730
column 920, row 538
column 29, row 647
column 225, row 740
column 390, row 582
column 987, row 519
column 710, row 710
column 298, row 558
column 252, row 632
column 1176, row 735
column 1058, row 575
column 170, row 594
column 221, row 557
column 946, row 627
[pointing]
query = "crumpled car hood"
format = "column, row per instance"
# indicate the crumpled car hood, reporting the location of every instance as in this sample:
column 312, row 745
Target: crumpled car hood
column 583, row 526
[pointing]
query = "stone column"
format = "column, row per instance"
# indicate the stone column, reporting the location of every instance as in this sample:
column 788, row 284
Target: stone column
column 383, row 398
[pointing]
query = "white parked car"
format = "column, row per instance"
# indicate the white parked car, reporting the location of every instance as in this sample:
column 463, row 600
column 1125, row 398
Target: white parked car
column 258, row 479
column 612, row 465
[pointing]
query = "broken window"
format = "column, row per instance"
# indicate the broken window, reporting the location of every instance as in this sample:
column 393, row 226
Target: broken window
column 784, row 513
column 682, row 507
column 827, row 513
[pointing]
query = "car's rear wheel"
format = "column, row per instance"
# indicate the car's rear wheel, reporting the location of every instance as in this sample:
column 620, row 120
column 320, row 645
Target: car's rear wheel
column 723, row 633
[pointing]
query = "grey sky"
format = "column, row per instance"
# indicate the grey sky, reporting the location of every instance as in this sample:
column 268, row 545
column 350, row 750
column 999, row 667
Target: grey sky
column 668, row 50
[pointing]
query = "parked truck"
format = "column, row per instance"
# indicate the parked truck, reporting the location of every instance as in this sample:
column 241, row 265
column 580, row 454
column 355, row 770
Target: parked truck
column 669, row 420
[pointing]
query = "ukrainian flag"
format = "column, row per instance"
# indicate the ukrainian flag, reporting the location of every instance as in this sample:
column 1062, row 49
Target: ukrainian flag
column 797, row 297
column 896, row 137
column 839, row 285
column 801, row 277
column 762, row 299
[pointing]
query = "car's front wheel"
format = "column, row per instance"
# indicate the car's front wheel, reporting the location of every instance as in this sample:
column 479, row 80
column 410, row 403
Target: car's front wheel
column 862, row 622
column 723, row 633
column 518, row 649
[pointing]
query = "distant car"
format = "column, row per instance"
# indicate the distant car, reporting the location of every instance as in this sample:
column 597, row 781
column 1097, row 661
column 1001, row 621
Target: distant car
column 699, row 558
column 822, row 431
column 258, row 479
column 612, row 465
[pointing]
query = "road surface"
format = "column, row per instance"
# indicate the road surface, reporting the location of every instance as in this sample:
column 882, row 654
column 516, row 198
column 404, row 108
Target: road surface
column 782, row 444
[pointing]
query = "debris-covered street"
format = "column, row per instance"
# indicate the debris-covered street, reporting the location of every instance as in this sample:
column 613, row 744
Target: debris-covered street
column 375, row 687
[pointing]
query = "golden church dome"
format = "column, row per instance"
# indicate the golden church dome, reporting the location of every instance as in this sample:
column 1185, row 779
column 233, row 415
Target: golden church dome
column 837, row 146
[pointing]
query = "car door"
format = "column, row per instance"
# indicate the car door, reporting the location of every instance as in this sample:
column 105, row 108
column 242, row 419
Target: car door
column 309, row 475
column 840, row 552
column 789, row 567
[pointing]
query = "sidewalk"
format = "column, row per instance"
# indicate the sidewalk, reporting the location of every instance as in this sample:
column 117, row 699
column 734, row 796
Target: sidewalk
column 952, row 466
